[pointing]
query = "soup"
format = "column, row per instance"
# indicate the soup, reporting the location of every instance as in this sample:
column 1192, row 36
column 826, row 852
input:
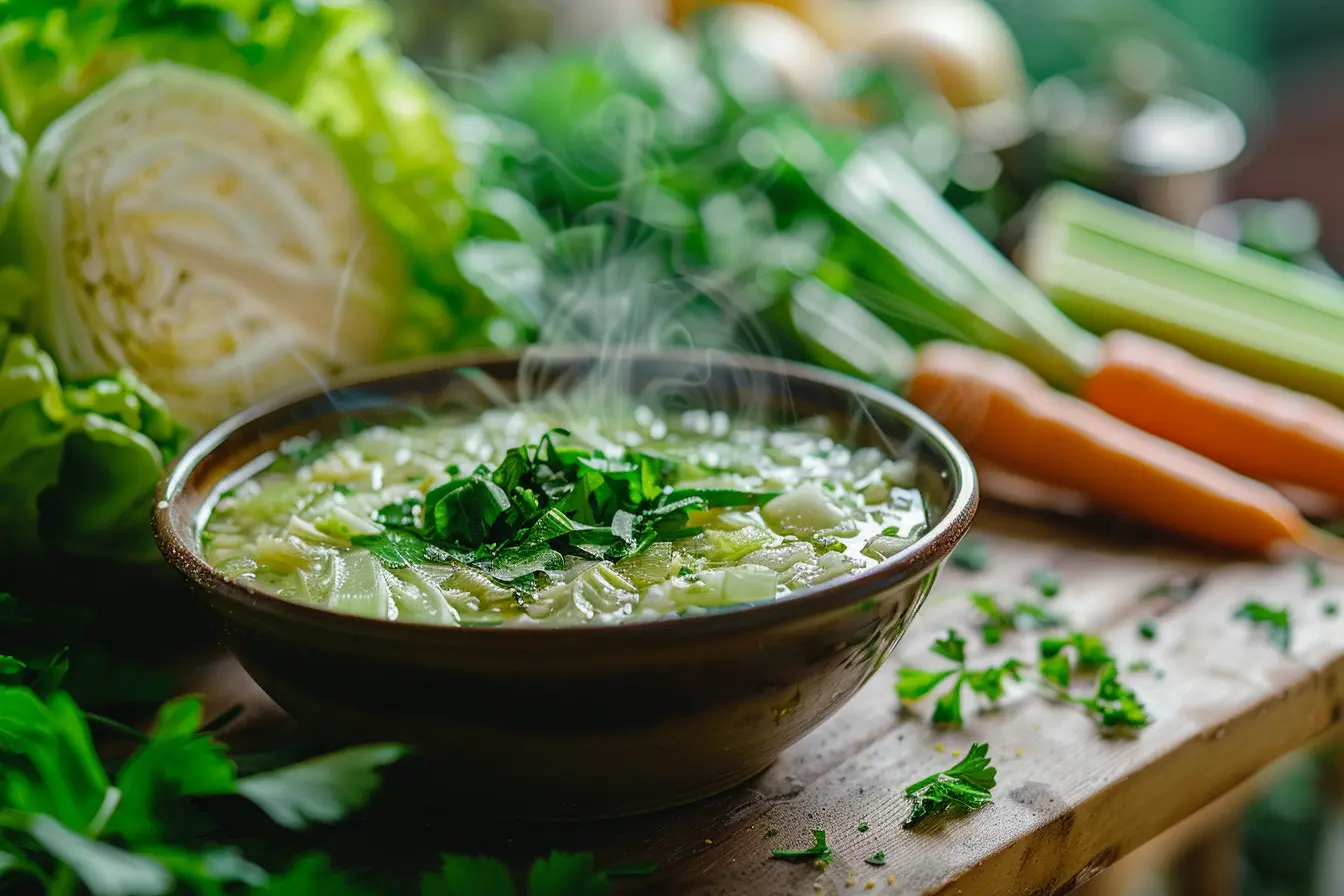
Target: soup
column 509, row 517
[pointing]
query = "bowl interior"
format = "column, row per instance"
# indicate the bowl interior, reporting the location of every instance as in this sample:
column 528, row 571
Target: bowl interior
column 760, row 389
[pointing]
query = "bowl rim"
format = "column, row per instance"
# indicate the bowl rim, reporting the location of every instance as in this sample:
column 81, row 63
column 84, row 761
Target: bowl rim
column 933, row 546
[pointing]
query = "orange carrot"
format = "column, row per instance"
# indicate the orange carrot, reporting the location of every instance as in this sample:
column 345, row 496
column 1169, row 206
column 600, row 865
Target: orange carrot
column 1264, row 431
column 1003, row 412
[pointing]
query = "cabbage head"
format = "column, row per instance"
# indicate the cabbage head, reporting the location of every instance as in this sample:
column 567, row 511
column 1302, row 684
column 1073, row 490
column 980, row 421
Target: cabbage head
column 190, row 229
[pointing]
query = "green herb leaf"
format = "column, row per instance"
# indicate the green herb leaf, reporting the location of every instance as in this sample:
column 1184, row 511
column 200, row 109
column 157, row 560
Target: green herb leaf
column 106, row 870
column 877, row 859
column 912, row 684
column 952, row 646
column 1045, row 581
column 1115, row 707
column 324, row 789
column 311, row 874
column 468, row 876
column 1315, row 574
column 964, row 787
column 1275, row 621
column 566, row 874
column 819, row 851
column 1148, row 629
column 947, row 709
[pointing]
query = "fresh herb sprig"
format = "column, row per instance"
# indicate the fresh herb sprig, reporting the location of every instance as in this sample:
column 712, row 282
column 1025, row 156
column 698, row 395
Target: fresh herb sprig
column 1274, row 621
column 541, row 504
column 1018, row 616
column 913, row 684
column 964, row 787
column 1115, row 707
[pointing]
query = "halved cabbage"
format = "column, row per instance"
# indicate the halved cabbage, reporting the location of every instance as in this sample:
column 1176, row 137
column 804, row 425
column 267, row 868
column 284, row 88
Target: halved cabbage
column 190, row 228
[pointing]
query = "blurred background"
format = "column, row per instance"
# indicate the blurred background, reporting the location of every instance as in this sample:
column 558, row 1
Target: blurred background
column 1227, row 115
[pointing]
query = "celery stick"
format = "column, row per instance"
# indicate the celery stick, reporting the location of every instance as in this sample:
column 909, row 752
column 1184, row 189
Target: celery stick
column 937, row 276
column 1110, row 266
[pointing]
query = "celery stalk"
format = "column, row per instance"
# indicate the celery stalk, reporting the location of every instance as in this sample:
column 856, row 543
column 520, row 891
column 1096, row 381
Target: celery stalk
column 930, row 274
column 1110, row 266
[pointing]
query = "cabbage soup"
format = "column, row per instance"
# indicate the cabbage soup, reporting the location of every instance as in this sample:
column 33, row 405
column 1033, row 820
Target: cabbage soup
column 515, row 517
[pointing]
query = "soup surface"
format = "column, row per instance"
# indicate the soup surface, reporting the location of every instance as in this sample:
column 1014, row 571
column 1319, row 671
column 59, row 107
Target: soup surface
column 503, row 518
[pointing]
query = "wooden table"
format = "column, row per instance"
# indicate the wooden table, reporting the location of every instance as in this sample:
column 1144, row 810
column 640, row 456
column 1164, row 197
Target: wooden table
column 1068, row 803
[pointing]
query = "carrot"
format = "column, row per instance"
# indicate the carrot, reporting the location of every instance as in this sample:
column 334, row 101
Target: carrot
column 1263, row 431
column 1004, row 413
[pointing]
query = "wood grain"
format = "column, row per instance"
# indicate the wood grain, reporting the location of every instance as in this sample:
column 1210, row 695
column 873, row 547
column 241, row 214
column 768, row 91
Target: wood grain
column 1068, row 804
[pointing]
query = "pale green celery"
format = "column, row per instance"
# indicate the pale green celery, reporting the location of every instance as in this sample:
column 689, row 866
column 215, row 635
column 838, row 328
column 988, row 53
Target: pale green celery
column 1113, row 267
column 927, row 272
column 842, row 335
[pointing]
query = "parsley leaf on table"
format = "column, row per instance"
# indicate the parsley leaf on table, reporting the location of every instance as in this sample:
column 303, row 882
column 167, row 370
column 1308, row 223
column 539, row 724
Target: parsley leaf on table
column 311, row 874
column 819, row 850
column 1280, row 630
column 1046, row 581
column 1114, row 706
column 914, row 684
column 1017, row 617
column 964, row 787
column 878, row 858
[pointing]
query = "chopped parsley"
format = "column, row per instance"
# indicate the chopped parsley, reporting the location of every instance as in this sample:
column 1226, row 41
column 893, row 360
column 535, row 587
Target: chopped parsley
column 1330, row 608
column 542, row 504
column 913, row 684
column 878, row 858
column 1045, row 581
column 964, row 787
column 1148, row 629
column 1018, row 617
column 863, row 827
column 819, row 851
column 971, row 555
column 1274, row 621
column 1114, row 706
column 1315, row 574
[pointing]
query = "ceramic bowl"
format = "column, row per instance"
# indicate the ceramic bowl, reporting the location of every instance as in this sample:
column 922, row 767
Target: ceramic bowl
column 578, row 722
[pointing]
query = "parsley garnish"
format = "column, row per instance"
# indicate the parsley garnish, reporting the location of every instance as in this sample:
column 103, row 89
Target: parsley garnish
column 971, row 555
column 878, row 858
column 863, row 827
column 1148, row 629
column 964, row 787
column 1330, row 608
column 1045, row 581
column 1280, row 631
column 818, row 850
column 913, row 684
column 1315, row 574
column 1018, row 617
column 541, row 504
column 1114, row 706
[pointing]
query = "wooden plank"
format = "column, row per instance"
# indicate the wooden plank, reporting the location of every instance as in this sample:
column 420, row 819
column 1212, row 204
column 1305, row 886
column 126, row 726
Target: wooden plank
column 1068, row 804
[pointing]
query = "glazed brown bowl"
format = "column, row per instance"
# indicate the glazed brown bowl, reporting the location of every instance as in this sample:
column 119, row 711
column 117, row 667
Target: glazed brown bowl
column 584, row 721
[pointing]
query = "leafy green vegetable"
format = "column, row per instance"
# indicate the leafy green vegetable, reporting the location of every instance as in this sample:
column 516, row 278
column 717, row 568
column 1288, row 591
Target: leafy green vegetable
column 1274, row 621
column 818, row 851
column 541, row 504
column 878, row 859
column 139, row 832
column 324, row 789
column 964, row 787
column 1115, row 707
column 914, row 684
